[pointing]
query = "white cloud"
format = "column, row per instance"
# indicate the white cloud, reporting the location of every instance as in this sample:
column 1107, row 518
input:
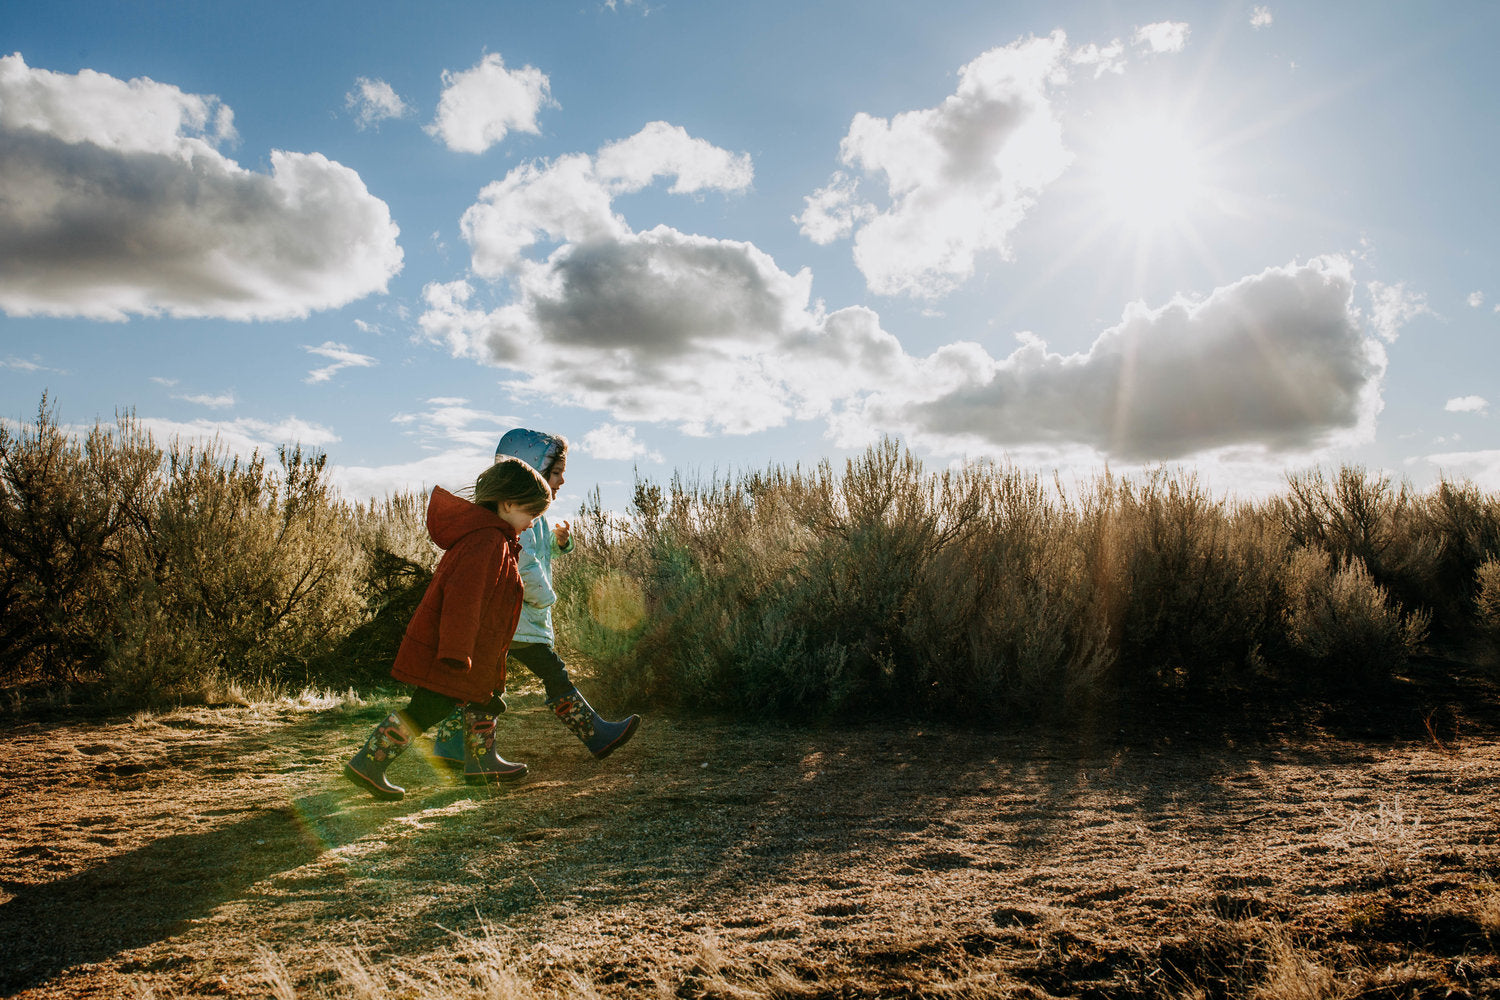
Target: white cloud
column 459, row 441
column 115, row 201
column 958, row 177
column 481, row 105
column 374, row 101
column 832, row 212
column 1163, row 36
column 341, row 356
column 1482, row 468
column 1105, row 59
column 663, row 150
column 136, row 116
column 450, row 421
column 1394, row 307
column 1275, row 362
column 452, row 469
column 20, row 364
column 568, row 201
column 563, row 201
column 617, row 443
column 1260, row 17
column 218, row 402
column 1476, row 299
column 243, row 437
column 711, row 336
column 1467, row 404
column 161, row 380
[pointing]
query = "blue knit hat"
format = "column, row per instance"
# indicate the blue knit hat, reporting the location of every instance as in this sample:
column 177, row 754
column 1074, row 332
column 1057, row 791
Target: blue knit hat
column 537, row 449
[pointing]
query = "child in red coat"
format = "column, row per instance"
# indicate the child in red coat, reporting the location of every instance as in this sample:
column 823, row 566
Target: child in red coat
column 454, row 648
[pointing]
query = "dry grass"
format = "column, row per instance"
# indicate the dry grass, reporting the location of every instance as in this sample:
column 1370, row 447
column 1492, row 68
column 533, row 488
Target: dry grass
column 217, row 853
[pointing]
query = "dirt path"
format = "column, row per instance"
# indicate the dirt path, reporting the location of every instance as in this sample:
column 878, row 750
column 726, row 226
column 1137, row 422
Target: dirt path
column 215, row 853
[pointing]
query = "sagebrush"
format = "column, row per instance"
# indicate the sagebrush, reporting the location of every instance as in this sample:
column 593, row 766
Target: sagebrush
column 878, row 587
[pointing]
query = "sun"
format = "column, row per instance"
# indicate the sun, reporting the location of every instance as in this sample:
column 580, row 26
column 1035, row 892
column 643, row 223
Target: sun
column 1149, row 174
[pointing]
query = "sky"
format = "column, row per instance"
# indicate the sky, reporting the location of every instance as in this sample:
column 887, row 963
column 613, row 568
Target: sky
column 703, row 237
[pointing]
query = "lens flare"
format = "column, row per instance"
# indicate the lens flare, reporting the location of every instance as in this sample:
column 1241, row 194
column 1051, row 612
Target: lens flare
column 616, row 602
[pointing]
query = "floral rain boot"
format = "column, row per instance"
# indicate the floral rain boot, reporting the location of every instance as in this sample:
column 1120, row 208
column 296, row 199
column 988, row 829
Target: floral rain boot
column 367, row 768
column 601, row 736
column 481, row 763
column 448, row 739
column 448, row 735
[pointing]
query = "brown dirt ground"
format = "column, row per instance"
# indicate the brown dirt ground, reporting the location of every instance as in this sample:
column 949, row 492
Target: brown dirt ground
column 216, row 852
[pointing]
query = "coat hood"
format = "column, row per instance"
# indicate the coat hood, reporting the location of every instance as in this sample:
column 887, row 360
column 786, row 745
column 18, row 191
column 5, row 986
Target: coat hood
column 532, row 447
column 450, row 518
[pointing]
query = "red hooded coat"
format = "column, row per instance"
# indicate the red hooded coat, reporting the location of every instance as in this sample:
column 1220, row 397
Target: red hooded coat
column 471, row 607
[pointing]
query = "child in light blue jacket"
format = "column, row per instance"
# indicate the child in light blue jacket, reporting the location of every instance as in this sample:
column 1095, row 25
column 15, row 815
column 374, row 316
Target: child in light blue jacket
column 533, row 643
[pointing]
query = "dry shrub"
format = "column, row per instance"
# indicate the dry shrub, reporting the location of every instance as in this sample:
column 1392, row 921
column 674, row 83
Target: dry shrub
column 1460, row 531
column 167, row 576
column 395, row 560
column 247, row 573
column 1003, row 616
column 1424, row 550
column 1186, row 583
column 70, row 511
column 887, row 589
column 1341, row 626
column 1487, row 604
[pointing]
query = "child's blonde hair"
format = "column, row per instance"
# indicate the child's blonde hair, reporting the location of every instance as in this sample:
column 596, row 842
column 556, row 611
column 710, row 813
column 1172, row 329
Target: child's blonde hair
column 511, row 480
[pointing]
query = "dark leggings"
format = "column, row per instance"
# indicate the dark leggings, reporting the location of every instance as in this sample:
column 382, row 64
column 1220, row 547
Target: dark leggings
column 428, row 708
column 541, row 659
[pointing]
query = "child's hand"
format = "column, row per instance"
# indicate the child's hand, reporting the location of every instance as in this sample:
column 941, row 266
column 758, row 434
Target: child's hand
column 562, row 531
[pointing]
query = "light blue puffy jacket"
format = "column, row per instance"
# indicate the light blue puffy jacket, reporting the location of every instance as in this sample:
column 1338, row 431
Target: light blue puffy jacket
column 538, row 544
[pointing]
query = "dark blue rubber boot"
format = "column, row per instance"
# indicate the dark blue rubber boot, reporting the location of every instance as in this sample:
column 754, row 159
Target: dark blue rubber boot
column 601, row 736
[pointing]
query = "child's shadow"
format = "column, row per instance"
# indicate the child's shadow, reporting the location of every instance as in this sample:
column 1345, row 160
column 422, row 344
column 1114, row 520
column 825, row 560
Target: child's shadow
column 147, row 894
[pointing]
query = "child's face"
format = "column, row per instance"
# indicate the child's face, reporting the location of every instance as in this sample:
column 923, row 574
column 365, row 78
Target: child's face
column 517, row 518
column 555, row 475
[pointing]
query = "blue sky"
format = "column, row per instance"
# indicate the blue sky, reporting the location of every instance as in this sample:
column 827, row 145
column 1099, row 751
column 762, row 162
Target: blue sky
column 706, row 237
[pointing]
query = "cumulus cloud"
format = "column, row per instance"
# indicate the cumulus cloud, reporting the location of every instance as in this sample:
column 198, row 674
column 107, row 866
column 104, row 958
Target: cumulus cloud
column 1468, row 404
column 958, row 177
column 568, row 201
column 1476, row 299
column 655, row 326
column 481, row 105
column 374, row 101
column 1394, row 307
column 1260, row 17
column 618, row 443
column 1276, row 361
column 114, row 200
column 712, row 336
column 341, row 356
column 1163, row 36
